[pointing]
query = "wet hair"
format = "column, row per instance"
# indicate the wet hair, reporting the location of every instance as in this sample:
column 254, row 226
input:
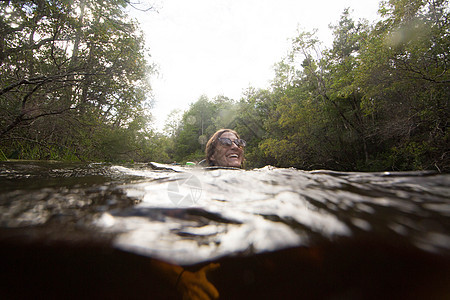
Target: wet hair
column 212, row 143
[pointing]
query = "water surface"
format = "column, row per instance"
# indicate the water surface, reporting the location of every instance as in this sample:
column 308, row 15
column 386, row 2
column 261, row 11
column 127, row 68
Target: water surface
column 190, row 215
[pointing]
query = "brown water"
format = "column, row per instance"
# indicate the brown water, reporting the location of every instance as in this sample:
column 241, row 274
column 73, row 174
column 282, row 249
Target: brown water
column 277, row 232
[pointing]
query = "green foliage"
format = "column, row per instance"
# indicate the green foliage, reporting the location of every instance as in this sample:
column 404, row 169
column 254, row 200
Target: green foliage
column 74, row 77
column 3, row 157
column 376, row 100
column 74, row 87
column 199, row 123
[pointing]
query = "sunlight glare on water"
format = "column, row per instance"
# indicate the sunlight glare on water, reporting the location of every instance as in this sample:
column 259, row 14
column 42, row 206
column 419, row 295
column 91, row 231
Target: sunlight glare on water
column 189, row 215
column 238, row 211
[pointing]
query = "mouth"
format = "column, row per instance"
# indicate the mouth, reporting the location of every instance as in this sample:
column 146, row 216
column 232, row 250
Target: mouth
column 233, row 155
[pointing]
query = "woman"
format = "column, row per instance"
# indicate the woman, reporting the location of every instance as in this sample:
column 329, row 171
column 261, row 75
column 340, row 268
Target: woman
column 225, row 149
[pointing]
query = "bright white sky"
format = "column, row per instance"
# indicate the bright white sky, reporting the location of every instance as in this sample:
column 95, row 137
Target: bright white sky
column 222, row 47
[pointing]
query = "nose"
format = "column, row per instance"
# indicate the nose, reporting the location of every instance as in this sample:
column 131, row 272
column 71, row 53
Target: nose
column 234, row 145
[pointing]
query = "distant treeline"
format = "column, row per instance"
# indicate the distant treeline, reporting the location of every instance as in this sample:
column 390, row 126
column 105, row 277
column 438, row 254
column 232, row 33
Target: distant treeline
column 377, row 99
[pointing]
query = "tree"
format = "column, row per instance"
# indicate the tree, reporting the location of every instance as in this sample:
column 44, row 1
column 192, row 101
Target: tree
column 317, row 121
column 405, row 78
column 376, row 100
column 203, row 118
column 68, row 69
column 196, row 124
column 252, row 113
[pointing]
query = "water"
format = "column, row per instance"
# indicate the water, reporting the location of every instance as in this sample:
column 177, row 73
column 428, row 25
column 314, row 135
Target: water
column 191, row 216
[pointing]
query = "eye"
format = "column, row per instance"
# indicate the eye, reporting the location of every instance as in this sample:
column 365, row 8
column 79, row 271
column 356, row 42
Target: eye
column 240, row 142
column 225, row 141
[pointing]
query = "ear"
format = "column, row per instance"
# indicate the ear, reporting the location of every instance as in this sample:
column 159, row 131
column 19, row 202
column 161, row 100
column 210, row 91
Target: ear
column 212, row 158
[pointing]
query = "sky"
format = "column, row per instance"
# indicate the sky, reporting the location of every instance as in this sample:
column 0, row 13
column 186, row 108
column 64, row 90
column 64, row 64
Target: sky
column 223, row 47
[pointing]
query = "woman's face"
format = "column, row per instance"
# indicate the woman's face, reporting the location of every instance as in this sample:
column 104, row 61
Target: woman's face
column 228, row 156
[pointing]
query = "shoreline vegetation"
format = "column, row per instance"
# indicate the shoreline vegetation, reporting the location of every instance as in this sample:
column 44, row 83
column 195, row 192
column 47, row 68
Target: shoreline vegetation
column 75, row 87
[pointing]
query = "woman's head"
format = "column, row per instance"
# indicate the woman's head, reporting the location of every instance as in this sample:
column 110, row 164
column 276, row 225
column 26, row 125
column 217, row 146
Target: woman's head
column 226, row 149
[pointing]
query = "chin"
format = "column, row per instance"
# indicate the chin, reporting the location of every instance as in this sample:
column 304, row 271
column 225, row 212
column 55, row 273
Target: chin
column 234, row 164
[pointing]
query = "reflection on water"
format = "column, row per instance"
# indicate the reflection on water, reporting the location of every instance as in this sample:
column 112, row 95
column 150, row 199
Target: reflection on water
column 190, row 216
column 237, row 211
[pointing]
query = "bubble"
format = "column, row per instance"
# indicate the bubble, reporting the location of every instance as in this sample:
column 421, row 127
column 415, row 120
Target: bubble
column 191, row 120
column 202, row 139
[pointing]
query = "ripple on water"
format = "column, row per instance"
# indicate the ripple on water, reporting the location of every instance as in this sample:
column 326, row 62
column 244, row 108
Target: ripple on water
column 189, row 215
